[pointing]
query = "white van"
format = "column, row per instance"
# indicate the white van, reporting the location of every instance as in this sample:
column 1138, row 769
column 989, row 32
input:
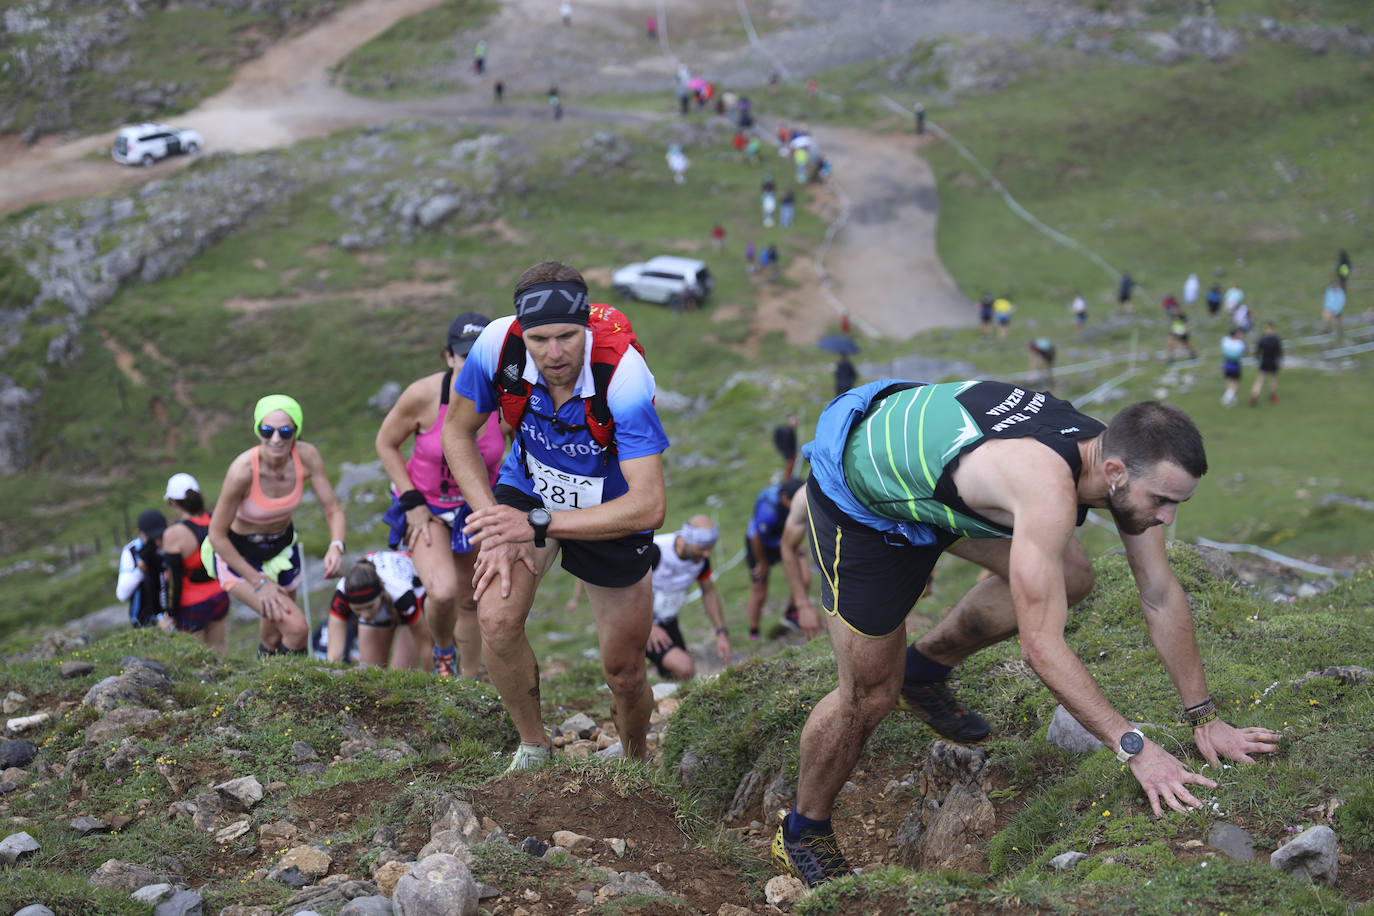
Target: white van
column 667, row 279
column 144, row 144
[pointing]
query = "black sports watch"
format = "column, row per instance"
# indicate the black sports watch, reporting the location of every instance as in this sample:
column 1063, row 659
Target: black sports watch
column 1131, row 743
column 539, row 519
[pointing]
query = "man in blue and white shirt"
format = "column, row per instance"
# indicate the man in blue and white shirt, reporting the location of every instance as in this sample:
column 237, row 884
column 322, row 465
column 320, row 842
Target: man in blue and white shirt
column 559, row 490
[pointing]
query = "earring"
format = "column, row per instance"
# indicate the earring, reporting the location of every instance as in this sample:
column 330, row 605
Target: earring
column 1111, row 489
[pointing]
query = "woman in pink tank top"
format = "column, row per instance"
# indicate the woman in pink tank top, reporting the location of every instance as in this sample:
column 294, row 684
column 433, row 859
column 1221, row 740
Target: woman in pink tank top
column 255, row 554
column 428, row 510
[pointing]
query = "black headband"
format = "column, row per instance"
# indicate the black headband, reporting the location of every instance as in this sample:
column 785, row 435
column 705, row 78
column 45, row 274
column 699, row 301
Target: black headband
column 554, row 302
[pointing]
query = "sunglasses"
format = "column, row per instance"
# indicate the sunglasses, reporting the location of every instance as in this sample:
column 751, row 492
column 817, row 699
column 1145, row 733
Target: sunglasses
column 286, row 432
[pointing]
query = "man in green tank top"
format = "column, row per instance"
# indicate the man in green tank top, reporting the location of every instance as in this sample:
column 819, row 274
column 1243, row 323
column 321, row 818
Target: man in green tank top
column 999, row 475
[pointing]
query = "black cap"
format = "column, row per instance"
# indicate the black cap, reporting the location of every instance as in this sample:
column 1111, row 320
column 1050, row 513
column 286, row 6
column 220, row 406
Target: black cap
column 152, row 523
column 463, row 331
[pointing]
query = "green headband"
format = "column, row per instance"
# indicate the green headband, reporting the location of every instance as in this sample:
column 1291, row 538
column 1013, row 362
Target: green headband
column 277, row 402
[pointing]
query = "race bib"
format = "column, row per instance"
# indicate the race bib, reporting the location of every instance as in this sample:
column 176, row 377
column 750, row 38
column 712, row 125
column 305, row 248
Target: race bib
column 667, row 604
column 562, row 490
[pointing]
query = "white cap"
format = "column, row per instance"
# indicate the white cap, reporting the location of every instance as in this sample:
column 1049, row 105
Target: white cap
column 179, row 484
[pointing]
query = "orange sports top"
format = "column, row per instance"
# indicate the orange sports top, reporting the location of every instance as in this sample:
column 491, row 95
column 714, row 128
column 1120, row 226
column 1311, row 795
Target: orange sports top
column 259, row 509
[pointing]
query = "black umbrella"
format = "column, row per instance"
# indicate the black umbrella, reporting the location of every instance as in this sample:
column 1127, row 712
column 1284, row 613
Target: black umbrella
column 842, row 344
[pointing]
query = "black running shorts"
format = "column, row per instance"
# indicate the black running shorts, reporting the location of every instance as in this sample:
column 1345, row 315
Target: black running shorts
column 610, row 564
column 870, row 579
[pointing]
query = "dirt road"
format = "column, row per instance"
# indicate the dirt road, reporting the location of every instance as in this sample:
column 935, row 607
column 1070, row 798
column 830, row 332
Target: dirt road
column 883, row 265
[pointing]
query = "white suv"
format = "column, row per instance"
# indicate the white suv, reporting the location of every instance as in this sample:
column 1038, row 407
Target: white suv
column 666, row 278
column 144, row 144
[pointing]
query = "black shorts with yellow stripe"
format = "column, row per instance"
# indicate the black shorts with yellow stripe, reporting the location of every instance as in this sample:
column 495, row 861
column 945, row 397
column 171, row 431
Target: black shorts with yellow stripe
column 870, row 579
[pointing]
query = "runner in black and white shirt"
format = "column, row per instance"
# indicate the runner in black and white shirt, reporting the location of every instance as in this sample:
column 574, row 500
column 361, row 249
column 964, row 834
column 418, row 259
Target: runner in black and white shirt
column 682, row 559
column 382, row 591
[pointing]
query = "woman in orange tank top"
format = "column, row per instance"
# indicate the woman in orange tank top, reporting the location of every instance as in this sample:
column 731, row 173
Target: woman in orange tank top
column 257, row 559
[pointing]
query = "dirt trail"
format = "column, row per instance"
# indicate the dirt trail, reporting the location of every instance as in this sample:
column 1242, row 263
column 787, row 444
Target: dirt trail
column 883, row 263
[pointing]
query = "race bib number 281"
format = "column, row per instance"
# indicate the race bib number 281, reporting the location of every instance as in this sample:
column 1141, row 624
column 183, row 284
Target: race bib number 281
column 562, row 490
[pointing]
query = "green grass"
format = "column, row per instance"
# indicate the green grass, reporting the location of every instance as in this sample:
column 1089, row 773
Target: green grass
column 418, row 55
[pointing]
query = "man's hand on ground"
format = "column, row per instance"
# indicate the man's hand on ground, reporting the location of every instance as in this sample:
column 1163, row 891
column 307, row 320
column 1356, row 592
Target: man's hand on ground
column 1217, row 739
column 1165, row 779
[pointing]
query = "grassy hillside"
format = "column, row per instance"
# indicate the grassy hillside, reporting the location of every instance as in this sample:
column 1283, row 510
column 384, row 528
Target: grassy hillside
column 433, row 740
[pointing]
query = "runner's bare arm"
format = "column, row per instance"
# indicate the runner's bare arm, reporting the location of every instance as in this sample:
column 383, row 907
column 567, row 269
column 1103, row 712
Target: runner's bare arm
column 710, row 602
column 329, row 504
column 1042, row 501
column 462, row 422
column 237, row 481
column 338, row 639
column 1165, row 606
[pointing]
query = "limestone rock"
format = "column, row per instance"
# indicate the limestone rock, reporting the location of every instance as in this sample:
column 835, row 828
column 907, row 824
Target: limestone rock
column 388, row 874
column 452, row 814
column 35, row 909
column 127, row 689
column 24, row 723
column 777, row 795
column 439, row 885
column 1231, row 841
column 16, row 753
column 73, row 669
column 450, row 842
column 1067, row 861
column 312, row 863
column 1066, row 732
column 233, row 832
column 784, row 890
column 240, row 794
column 625, row 883
column 367, row 906
column 14, row 701
column 957, row 835
column 125, row 876
column 153, row 894
column 948, row 765
column 16, row 845
column 116, row 721
column 575, row 843
column 1310, row 856
column 85, row 824
column 182, row 903
column 278, row 836
column 581, row 725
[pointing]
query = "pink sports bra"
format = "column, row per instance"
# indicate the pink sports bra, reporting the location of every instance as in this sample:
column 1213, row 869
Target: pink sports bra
column 259, row 509
column 428, row 468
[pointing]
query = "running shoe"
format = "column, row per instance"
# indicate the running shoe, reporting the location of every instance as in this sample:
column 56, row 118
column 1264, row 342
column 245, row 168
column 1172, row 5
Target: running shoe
column 445, row 661
column 815, row 857
column 790, row 621
column 528, row 757
column 938, row 707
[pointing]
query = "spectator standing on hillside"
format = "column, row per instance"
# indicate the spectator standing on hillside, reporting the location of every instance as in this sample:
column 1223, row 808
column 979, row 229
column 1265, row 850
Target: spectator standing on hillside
column 1190, row 291
column 1342, row 269
column 769, row 204
column 591, row 498
column 428, row 509
column 920, row 112
column 677, row 162
column 1214, row 299
column 498, row 91
column 788, row 209
column 257, row 558
column 1079, row 308
column 751, row 149
column 565, row 11
column 774, row 263
column 1002, row 310
column 1232, row 352
column 651, row 28
column 141, row 567
column 1269, row 348
column 1242, row 318
column 738, row 142
column 556, row 103
column 194, row 599
column 718, row 237
column 479, row 57
column 1233, row 297
column 749, row 253
column 762, row 541
column 845, row 375
column 998, row 475
column 681, row 559
column 1333, row 304
column 985, row 313
column 1124, row 290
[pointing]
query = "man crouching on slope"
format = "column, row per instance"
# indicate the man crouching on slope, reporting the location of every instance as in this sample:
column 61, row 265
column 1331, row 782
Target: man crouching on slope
column 596, row 497
column 999, row 475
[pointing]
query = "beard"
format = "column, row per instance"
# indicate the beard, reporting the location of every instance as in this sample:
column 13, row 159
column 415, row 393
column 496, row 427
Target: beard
column 1126, row 521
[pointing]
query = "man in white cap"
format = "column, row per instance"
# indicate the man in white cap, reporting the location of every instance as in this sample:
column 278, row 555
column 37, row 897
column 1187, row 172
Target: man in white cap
column 680, row 560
